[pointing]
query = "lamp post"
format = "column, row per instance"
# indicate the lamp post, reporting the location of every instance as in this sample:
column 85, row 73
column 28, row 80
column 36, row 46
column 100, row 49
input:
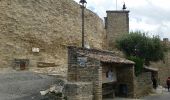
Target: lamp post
column 82, row 6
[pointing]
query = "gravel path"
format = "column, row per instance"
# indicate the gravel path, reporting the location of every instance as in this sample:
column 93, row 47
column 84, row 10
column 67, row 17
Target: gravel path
column 24, row 85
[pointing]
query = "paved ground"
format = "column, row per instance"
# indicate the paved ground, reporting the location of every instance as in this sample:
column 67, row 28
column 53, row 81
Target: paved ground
column 27, row 86
column 24, row 85
column 158, row 97
column 160, row 94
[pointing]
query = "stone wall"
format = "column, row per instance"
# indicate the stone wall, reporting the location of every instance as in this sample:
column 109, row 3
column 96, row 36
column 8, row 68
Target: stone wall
column 143, row 84
column 117, row 24
column 78, row 91
column 125, row 76
column 163, row 66
column 50, row 25
column 163, row 71
column 90, row 73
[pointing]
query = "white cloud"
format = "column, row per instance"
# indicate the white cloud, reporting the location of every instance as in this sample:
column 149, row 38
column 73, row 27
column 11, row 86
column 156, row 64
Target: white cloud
column 161, row 3
column 135, row 3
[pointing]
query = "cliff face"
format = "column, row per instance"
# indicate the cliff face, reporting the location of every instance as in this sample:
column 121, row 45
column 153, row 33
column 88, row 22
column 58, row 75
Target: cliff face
column 49, row 25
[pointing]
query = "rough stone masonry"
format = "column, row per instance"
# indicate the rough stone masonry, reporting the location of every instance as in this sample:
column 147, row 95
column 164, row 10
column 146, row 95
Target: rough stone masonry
column 50, row 26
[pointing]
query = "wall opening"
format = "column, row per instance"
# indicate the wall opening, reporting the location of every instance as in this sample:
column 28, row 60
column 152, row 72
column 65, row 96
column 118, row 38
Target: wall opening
column 21, row 64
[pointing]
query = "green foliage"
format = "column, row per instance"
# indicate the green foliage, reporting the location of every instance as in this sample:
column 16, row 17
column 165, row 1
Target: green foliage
column 140, row 45
column 138, row 64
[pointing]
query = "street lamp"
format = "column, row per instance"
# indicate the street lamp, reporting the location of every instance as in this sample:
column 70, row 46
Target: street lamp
column 82, row 6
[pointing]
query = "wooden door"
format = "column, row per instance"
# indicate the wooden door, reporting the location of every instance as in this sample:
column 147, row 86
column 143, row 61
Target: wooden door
column 22, row 66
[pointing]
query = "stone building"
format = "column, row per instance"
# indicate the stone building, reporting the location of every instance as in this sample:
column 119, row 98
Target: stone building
column 116, row 24
column 48, row 27
column 143, row 82
column 108, row 73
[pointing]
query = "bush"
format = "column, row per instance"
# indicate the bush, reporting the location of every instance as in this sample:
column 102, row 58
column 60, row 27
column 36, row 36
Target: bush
column 140, row 45
column 138, row 64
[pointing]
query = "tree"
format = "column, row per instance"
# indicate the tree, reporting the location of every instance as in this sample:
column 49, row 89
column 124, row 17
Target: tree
column 140, row 45
column 138, row 64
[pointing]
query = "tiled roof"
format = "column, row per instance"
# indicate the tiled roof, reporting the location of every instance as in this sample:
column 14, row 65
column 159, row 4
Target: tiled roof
column 151, row 69
column 102, row 55
column 109, row 58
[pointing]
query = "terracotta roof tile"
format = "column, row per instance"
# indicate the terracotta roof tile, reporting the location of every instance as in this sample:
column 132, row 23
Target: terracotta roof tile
column 109, row 58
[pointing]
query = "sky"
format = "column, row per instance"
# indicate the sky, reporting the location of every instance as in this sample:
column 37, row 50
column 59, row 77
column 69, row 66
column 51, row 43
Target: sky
column 150, row 16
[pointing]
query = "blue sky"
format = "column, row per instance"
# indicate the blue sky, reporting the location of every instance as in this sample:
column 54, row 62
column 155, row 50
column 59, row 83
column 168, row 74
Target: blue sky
column 152, row 16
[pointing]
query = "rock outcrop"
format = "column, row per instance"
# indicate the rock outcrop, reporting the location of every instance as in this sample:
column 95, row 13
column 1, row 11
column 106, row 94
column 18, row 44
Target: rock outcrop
column 50, row 25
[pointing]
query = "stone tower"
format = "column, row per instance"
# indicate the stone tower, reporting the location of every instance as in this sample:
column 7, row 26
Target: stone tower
column 116, row 24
